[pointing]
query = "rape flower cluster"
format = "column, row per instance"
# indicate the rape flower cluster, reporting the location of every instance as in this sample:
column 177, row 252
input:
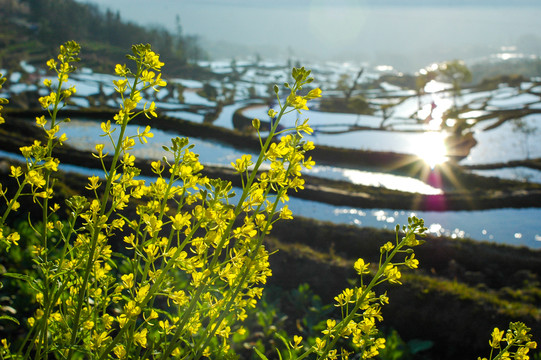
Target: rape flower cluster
column 191, row 261
column 195, row 262
column 515, row 343
column 360, row 307
column 3, row 101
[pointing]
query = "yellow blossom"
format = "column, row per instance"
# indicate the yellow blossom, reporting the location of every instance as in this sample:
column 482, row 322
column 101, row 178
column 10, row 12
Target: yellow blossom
column 14, row 238
column 361, row 267
column 120, row 351
column 312, row 94
column 242, row 164
column 120, row 70
column 320, row 344
column 392, row 274
column 151, row 110
column 16, row 171
column 387, row 247
column 127, row 280
column 497, row 336
column 285, row 213
column 141, row 337
column 411, row 262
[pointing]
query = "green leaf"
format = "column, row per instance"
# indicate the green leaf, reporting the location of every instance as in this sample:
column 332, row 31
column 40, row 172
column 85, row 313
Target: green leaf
column 19, row 276
column 286, row 343
column 419, row 345
column 260, row 354
column 6, row 317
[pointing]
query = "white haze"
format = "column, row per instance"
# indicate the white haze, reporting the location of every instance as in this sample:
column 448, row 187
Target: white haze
column 406, row 36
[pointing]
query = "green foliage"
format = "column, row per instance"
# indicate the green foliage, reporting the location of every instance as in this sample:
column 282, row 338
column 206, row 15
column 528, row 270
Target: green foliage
column 103, row 34
column 398, row 349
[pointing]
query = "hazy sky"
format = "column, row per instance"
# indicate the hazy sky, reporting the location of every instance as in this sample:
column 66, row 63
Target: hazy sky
column 397, row 32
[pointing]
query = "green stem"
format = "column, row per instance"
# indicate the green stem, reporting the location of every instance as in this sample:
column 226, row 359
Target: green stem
column 95, row 229
column 219, row 247
column 344, row 323
column 238, row 287
column 45, row 232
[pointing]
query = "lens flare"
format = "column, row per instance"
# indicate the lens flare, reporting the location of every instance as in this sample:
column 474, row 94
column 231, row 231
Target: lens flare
column 432, row 148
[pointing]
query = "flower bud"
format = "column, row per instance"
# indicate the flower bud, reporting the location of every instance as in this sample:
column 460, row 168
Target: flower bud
column 256, row 123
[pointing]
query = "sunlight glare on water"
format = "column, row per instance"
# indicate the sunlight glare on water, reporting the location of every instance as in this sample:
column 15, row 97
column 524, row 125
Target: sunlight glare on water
column 400, row 183
column 435, row 86
column 432, row 148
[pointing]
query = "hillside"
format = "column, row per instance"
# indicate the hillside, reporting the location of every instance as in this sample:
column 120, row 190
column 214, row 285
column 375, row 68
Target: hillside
column 32, row 30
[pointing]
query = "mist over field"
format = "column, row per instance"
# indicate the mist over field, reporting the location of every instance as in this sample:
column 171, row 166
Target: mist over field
column 406, row 35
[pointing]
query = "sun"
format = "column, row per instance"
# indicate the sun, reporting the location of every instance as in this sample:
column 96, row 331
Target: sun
column 431, row 148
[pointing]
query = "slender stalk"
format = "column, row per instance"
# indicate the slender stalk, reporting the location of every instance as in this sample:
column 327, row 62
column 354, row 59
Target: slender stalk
column 344, row 323
column 219, row 247
column 45, row 217
column 94, row 228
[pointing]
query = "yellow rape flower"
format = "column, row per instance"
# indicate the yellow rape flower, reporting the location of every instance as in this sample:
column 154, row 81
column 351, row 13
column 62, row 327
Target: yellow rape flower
column 120, row 70
column 94, row 184
column 304, row 128
column 15, row 205
column 141, row 337
column 98, row 339
column 181, row 220
column 14, row 238
column 151, row 110
column 88, row 325
column 411, row 262
column 312, row 94
column 146, row 133
column 147, row 76
column 52, row 164
column 120, row 351
column 497, row 336
column 298, row 102
column 142, row 293
column 153, row 60
column 361, row 267
column 320, row 344
column 127, row 280
column 41, row 121
column 285, row 213
column 51, row 63
column 392, row 274
column 242, row 164
column 35, row 178
column 296, row 342
column 159, row 82
column 386, row 248
column 16, row 171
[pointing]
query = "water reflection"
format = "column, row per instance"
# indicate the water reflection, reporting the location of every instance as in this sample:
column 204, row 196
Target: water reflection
column 500, row 225
column 83, row 134
column 507, row 226
column 431, row 148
